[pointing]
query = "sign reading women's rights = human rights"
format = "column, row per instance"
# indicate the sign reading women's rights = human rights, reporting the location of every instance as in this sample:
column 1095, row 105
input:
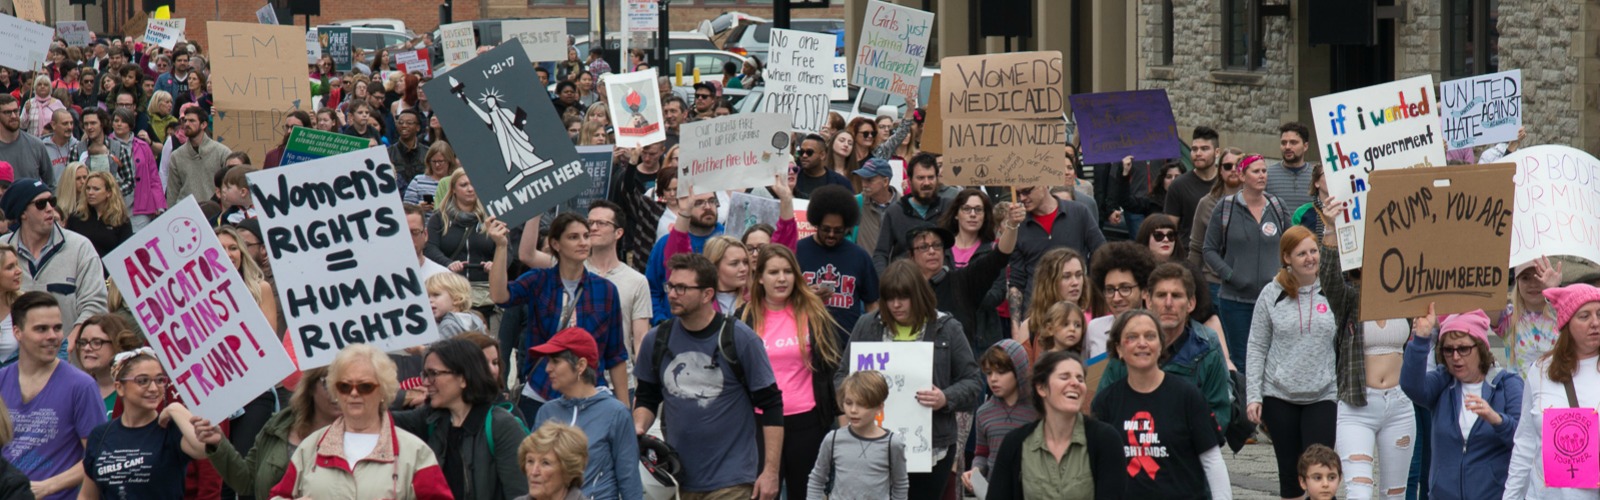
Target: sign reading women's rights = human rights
column 341, row 251
column 200, row 317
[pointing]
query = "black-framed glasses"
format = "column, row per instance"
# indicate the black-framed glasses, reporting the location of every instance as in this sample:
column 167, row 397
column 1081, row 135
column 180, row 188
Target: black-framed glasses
column 1163, row 235
column 12, row 111
column 362, row 389
column 433, row 374
column 807, row 152
column 595, row 223
column 928, row 247
column 1455, row 352
column 679, row 289
column 708, row 202
column 93, row 344
column 146, row 380
column 1124, row 290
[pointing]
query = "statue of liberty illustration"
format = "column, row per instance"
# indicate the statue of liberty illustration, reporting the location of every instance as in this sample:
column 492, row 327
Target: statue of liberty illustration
column 506, row 125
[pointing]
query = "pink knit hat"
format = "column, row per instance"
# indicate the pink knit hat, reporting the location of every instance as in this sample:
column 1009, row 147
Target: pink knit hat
column 1568, row 299
column 1474, row 323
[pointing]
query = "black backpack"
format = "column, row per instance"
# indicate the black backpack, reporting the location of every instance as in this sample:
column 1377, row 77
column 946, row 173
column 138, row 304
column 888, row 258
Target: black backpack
column 725, row 349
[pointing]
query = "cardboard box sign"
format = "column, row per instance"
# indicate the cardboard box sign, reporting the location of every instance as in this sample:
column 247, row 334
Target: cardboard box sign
column 1437, row 235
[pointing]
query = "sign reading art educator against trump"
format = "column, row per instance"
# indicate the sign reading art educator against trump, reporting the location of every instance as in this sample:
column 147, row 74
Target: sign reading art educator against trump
column 507, row 135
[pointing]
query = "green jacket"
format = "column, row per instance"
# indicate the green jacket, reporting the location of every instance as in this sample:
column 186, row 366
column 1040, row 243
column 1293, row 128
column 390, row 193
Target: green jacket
column 1199, row 360
column 492, row 469
column 261, row 469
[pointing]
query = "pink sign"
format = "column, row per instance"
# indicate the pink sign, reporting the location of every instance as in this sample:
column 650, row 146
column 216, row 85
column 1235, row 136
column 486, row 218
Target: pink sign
column 1571, row 448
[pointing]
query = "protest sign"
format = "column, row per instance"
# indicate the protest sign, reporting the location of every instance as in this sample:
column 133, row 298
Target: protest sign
column 336, row 44
column 332, row 227
column 75, row 33
column 30, row 10
column 1558, row 188
column 313, row 48
column 459, row 45
column 507, row 135
column 265, row 15
column 841, row 78
column 1118, row 124
column 1571, row 451
column 164, row 32
column 306, row 144
column 797, row 78
column 250, row 131
column 642, row 16
column 415, row 61
column 733, row 152
column 23, row 44
column 908, row 367
column 1002, row 121
column 543, row 39
column 256, row 67
column 745, row 210
column 933, row 119
column 1437, row 235
column 1481, row 110
column 199, row 315
column 597, row 164
column 1382, row 127
column 635, row 108
column 894, row 44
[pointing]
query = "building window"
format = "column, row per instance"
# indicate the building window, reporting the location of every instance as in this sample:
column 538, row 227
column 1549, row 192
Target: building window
column 1471, row 38
column 1166, row 32
column 1241, row 35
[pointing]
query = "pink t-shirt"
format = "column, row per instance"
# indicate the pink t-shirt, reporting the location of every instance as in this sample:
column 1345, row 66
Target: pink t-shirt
column 963, row 256
column 780, row 336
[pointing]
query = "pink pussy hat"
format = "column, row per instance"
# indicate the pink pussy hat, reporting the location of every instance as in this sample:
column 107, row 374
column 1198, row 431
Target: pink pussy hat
column 1568, row 299
column 1474, row 323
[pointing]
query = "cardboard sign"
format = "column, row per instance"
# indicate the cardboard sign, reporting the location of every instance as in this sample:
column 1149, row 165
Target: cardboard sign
column 256, row 67
column 30, row 10
column 459, row 45
column 733, row 152
column 165, row 33
column 415, row 61
column 306, row 144
column 1437, row 235
column 797, row 78
column 507, row 135
column 841, row 79
column 1118, row 124
column 335, row 42
column 908, row 366
column 75, row 33
column 265, row 15
column 198, row 313
column 543, row 39
column 933, row 119
column 1002, row 121
column 1480, row 110
column 341, row 256
column 1383, row 127
column 23, row 44
column 635, row 108
column 313, row 48
column 1556, row 200
column 1571, row 451
column 251, row 131
column 894, row 44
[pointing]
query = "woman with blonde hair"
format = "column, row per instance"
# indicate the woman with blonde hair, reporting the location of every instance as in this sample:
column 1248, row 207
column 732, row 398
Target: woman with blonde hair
column 457, row 239
column 311, row 407
column 438, row 162
column 554, row 458
column 102, row 215
column 161, row 119
column 70, row 188
column 10, row 289
column 594, row 133
column 1070, row 284
column 260, row 288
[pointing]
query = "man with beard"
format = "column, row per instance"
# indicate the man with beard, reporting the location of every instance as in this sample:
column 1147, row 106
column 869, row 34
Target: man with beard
column 1229, row 180
column 702, row 212
column 1050, row 224
column 841, row 273
column 195, row 164
column 27, row 155
column 176, row 82
column 1186, row 191
column 924, row 207
column 60, row 143
column 1290, row 179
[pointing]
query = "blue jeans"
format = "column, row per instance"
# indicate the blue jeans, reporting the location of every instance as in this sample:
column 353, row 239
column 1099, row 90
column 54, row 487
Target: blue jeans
column 1421, row 458
column 1235, row 317
column 1216, row 300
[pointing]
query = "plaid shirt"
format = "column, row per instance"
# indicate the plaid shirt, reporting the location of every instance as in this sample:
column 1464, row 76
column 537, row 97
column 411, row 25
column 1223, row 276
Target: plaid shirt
column 598, row 311
column 1345, row 300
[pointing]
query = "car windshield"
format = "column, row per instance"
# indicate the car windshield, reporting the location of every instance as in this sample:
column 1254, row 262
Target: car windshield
column 763, row 32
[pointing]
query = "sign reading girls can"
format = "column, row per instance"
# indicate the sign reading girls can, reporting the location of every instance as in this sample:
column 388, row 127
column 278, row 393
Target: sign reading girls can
column 1571, row 451
column 635, row 108
column 200, row 317
column 908, row 367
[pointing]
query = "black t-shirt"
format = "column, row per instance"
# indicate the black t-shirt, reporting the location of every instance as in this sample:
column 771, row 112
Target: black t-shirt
column 805, row 184
column 1182, row 198
column 455, row 473
column 1166, row 430
column 136, row 463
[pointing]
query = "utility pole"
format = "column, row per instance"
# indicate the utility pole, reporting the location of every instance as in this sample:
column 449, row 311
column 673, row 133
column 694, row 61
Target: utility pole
column 663, row 31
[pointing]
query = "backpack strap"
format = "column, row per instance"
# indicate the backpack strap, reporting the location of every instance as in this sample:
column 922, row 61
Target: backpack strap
column 1227, row 214
column 730, row 352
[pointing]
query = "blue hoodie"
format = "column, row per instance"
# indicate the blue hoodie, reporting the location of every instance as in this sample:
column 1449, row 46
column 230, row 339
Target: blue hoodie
column 1479, row 464
column 613, row 470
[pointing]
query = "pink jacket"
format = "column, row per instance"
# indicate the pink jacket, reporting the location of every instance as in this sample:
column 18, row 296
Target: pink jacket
column 149, row 197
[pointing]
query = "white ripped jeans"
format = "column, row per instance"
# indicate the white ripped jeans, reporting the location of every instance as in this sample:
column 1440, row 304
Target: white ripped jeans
column 1387, row 428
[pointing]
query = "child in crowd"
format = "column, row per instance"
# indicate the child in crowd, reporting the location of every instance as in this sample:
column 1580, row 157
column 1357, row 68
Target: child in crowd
column 451, row 296
column 1005, row 365
column 234, row 193
column 1320, row 472
column 1064, row 326
column 867, row 461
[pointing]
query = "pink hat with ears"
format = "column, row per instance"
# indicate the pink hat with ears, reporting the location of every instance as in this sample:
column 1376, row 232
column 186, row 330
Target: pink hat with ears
column 1474, row 323
column 1568, row 299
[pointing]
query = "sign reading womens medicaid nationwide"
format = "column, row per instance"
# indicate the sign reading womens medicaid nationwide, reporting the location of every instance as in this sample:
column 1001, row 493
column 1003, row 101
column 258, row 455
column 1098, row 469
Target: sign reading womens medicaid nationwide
column 164, row 32
column 1002, row 121
column 200, row 317
column 635, row 108
column 336, row 44
column 908, row 367
column 1437, row 236
column 507, row 135
column 459, row 45
column 1483, row 109
column 733, row 152
column 799, row 78
column 542, row 39
column 75, row 33
column 332, row 227
column 23, row 44
column 1558, row 204
column 1119, row 124
column 1383, row 127
column 894, row 44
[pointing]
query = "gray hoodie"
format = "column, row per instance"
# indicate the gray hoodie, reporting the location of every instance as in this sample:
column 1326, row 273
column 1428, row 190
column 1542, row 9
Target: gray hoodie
column 1245, row 253
column 613, row 470
column 1295, row 338
column 954, row 370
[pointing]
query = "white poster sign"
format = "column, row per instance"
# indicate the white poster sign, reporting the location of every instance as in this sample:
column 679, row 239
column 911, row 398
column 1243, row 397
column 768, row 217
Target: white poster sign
column 841, row 79
column 908, row 366
column 635, row 108
column 334, row 228
column 1480, row 110
column 798, row 78
column 164, row 32
column 459, row 45
column 75, row 33
column 643, row 16
column 313, row 48
column 543, row 39
column 894, row 44
column 1382, row 127
column 415, row 61
column 1555, row 204
column 734, row 152
column 23, row 44
column 267, row 15
column 199, row 315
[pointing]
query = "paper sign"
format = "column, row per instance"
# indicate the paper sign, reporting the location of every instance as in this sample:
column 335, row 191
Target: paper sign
column 543, row 39
column 335, row 43
column 1002, row 121
column 733, row 152
column 1382, row 127
column 1571, row 448
column 198, row 313
column 745, row 210
column 908, row 366
column 75, row 33
column 1556, row 198
column 1480, row 110
column 1437, row 235
column 894, row 44
column 841, row 79
column 30, row 10
column 597, row 164
column 415, row 61
column 635, row 108
column 313, row 48
column 797, row 78
column 341, row 256
column 643, row 16
column 306, row 144
column 254, row 132
column 1119, row 124
column 459, row 45
column 164, row 32
column 507, row 134
column 265, row 15
column 257, row 67
column 23, row 44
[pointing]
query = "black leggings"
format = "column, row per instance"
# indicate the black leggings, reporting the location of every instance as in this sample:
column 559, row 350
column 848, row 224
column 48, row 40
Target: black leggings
column 1295, row 428
column 931, row 484
column 802, row 439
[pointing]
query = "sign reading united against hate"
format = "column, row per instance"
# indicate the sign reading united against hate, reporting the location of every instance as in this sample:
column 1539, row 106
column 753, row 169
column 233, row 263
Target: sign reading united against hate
column 733, row 152
column 894, row 44
column 23, row 44
column 799, row 78
column 164, row 32
column 336, row 44
column 332, row 227
column 1382, row 127
column 635, row 108
column 542, row 39
column 1437, row 236
column 459, row 45
column 1558, row 190
column 907, row 367
column 200, row 317
column 507, row 135
column 1483, row 109
column 1119, row 124
column 1001, row 116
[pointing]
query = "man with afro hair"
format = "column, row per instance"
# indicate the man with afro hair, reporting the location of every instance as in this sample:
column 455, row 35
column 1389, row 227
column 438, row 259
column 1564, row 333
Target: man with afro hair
column 1119, row 272
column 841, row 272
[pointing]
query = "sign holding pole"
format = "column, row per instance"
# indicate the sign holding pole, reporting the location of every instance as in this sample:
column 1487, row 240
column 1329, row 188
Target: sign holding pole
column 908, row 367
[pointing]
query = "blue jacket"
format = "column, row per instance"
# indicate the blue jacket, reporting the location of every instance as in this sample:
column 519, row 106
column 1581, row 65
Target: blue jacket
column 1480, row 466
column 656, row 272
column 613, row 470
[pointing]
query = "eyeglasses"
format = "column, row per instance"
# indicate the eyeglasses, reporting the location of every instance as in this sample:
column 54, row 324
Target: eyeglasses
column 596, row 223
column 968, row 209
column 44, row 203
column 93, row 344
column 1456, row 352
column 433, row 374
column 362, row 389
column 145, row 380
column 832, row 230
column 12, row 111
column 928, row 247
column 702, row 96
column 709, row 202
column 807, row 152
column 1163, row 235
column 1124, row 290
column 677, row 289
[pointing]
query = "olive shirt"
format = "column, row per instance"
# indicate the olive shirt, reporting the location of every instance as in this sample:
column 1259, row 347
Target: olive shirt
column 1045, row 478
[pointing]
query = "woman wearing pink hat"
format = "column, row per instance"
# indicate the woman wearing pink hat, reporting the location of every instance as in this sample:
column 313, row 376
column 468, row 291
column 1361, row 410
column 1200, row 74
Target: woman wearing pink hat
column 1567, row 376
column 1475, row 404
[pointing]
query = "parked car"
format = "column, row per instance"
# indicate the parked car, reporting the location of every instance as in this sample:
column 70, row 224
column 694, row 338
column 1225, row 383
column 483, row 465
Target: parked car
column 752, row 39
column 379, row 23
column 679, row 40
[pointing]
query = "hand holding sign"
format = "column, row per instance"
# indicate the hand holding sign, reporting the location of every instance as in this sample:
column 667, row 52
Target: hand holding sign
column 1423, row 326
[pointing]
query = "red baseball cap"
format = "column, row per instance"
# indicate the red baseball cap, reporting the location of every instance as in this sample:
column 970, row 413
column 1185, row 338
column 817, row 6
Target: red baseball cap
column 574, row 339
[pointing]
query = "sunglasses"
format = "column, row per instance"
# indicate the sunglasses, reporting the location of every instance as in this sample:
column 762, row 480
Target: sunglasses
column 362, row 389
column 1454, row 352
column 807, row 152
column 1163, row 236
column 44, row 203
column 867, row 133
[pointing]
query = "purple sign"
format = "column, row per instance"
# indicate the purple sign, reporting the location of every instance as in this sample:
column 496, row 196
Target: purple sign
column 1112, row 125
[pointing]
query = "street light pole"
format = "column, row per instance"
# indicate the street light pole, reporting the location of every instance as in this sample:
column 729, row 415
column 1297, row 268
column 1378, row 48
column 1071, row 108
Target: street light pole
column 663, row 31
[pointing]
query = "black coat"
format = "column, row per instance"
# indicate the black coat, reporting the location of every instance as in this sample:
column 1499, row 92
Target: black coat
column 1105, row 461
column 13, row 484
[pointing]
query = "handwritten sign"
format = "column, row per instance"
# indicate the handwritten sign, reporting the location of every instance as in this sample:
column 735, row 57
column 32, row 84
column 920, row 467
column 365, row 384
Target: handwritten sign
column 459, row 45
column 23, row 44
column 841, row 78
column 894, row 44
column 1484, row 109
column 250, row 131
column 75, row 33
column 256, row 66
column 1437, row 235
column 1118, row 124
column 733, row 152
column 635, row 108
column 908, row 366
column 1558, row 188
column 1382, row 127
column 313, row 48
column 332, row 226
column 265, row 15
column 306, row 144
column 336, row 44
column 30, row 10
column 1002, row 121
column 415, row 61
column 543, row 39
column 164, row 32
column 797, row 77
column 1571, row 448
column 198, row 313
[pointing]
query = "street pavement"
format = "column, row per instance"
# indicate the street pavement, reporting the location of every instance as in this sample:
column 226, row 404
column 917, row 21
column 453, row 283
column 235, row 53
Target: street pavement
column 1254, row 472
